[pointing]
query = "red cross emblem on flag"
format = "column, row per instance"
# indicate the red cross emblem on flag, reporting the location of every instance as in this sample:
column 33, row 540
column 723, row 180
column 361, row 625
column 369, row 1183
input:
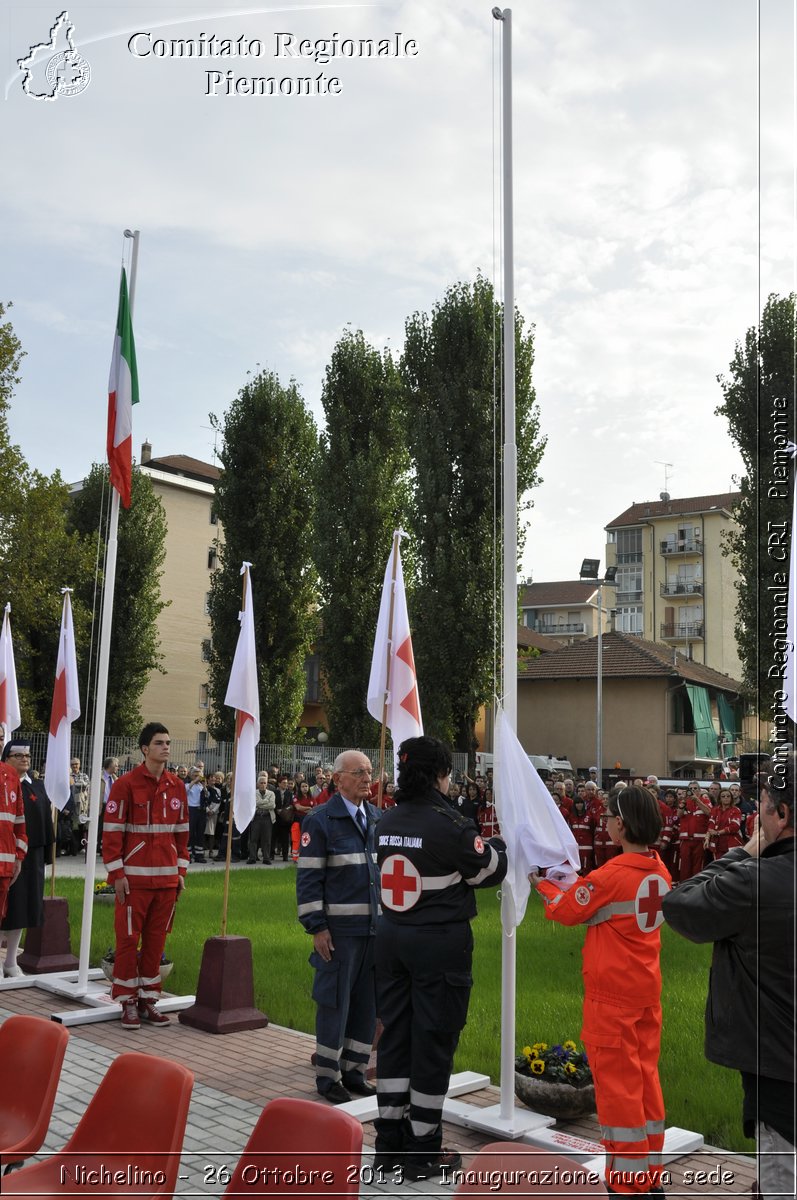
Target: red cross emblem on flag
column 401, row 883
column 647, row 902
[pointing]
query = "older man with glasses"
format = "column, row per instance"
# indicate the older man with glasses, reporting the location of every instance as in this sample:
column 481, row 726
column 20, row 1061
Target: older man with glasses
column 25, row 909
column 337, row 890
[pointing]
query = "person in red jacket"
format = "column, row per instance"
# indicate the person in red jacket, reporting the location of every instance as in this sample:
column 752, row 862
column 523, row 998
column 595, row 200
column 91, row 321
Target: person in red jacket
column 621, row 903
column 145, row 850
column 692, row 830
column 582, row 827
column 13, row 838
column 724, row 826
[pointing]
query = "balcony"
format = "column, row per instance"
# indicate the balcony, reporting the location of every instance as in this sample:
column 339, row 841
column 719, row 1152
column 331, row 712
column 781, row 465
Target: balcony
column 682, row 631
column 685, row 587
column 634, row 597
column 558, row 630
column 681, row 546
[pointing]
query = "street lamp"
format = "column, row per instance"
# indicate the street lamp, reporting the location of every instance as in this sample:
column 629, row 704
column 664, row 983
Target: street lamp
column 590, row 569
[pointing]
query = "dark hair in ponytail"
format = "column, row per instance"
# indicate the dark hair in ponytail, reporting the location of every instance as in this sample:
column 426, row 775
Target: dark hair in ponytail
column 422, row 760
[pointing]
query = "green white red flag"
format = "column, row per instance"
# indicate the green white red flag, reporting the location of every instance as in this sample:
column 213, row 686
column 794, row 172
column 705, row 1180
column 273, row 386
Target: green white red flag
column 122, row 395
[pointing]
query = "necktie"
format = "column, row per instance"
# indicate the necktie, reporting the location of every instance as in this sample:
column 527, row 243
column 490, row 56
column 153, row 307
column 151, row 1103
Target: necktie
column 362, row 822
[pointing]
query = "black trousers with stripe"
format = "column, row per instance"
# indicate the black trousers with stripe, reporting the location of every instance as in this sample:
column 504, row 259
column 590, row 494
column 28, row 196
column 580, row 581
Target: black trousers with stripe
column 423, row 984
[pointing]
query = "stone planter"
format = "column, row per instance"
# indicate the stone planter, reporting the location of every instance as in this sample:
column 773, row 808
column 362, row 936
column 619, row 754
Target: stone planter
column 105, row 897
column 560, row 1100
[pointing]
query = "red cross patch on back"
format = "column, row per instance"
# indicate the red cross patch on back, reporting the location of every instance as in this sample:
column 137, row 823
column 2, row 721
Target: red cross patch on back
column 647, row 902
column 401, row 883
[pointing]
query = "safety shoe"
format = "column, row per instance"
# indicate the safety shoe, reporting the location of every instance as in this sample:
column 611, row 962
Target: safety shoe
column 416, row 1169
column 148, row 1013
column 130, row 1014
column 337, row 1094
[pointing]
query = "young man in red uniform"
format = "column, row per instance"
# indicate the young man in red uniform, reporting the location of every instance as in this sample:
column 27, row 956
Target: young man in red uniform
column 693, row 827
column 145, row 850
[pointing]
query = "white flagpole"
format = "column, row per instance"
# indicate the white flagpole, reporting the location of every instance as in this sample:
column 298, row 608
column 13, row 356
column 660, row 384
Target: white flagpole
column 101, row 701
column 508, row 941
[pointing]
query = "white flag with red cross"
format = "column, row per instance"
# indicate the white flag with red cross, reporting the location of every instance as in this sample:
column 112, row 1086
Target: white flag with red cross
column 9, row 697
column 393, row 677
column 243, row 695
column 65, row 710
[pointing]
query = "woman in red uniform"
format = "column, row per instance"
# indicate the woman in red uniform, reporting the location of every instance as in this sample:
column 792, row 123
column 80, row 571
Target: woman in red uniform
column 724, row 826
column 621, row 904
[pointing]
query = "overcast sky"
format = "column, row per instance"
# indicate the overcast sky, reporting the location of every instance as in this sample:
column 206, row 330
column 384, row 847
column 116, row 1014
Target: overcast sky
column 644, row 244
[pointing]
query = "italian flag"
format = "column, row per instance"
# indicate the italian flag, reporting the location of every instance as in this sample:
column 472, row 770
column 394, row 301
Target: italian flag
column 122, row 395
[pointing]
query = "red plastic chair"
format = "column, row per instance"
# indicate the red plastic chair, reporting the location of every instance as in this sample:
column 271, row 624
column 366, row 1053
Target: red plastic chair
column 300, row 1148
column 508, row 1168
column 32, row 1052
column 128, row 1141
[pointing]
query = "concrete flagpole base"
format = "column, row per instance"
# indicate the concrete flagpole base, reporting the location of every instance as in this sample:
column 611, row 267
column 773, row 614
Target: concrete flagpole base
column 48, row 947
column 225, row 991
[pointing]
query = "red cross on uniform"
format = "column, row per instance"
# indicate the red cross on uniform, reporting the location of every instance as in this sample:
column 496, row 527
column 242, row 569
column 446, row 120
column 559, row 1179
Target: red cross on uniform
column 647, row 902
column 401, row 883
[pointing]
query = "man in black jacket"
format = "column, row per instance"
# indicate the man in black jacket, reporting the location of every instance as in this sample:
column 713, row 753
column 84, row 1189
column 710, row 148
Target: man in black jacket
column 744, row 904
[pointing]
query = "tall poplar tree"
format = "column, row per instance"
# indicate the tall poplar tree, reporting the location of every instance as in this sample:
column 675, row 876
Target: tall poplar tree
column 363, row 497
column 451, row 358
column 760, row 409
column 135, row 645
column 265, row 501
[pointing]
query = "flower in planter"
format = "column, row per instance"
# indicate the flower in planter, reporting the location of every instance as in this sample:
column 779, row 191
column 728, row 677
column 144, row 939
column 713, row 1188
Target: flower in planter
column 104, row 889
column 562, row 1063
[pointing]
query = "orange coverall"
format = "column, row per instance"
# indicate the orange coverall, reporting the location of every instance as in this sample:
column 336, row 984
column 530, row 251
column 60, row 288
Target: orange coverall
column 621, row 904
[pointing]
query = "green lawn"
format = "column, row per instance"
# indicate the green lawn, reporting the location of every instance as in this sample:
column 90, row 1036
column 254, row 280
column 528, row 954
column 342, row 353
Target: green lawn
column 263, row 908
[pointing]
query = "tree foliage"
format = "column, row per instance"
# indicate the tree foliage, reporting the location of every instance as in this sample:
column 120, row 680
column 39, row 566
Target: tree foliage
column 760, row 410
column 363, row 497
column 449, row 369
column 135, row 645
column 265, row 500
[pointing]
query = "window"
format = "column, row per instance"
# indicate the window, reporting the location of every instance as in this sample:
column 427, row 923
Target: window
column 312, row 671
column 203, row 695
column 211, row 558
column 629, row 619
column 629, row 582
column 202, row 741
column 214, row 516
column 207, row 604
column 207, row 646
column 629, row 545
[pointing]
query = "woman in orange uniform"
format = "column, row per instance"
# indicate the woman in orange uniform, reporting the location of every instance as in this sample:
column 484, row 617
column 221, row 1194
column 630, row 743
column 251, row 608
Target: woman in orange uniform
column 621, row 904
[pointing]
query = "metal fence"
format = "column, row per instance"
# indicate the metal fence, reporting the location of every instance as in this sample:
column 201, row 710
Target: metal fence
column 217, row 756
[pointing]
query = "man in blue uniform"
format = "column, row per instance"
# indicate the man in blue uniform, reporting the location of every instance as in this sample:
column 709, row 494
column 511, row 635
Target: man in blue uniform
column 431, row 859
column 337, row 890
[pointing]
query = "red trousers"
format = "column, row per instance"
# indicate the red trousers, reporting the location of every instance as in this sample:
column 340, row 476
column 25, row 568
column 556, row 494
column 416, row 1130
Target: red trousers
column 145, row 918
column 692, row 855
column 5, row 884
column 623, row 1050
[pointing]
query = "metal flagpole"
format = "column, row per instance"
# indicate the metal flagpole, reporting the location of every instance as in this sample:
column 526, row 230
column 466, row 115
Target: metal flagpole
column 508, row 941
column 100, row 703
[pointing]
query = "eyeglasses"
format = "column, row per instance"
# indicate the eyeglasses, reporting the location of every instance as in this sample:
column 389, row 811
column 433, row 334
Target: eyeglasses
column 18, row 754
column 359, row 773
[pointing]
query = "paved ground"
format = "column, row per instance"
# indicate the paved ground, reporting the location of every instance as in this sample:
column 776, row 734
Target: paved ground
column 236, row 1074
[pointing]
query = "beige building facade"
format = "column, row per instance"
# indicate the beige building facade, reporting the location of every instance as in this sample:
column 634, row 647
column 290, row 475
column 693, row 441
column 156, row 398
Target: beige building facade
column 179, row 697
column 566, row 610
column 673, row 584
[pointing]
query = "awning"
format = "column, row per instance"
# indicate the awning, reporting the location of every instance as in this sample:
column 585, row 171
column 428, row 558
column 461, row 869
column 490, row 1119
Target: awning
column 705, row 733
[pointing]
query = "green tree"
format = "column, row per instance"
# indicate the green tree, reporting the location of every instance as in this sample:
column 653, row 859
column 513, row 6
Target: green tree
column 759, row 407
column 265, row 500
column 14, row 473
column 363, row 497
column 449, row 366
column 135, row 645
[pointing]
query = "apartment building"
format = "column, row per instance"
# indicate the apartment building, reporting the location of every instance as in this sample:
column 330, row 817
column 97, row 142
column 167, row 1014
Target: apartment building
column 186, row 487
column 566, row 610
column 673, row 583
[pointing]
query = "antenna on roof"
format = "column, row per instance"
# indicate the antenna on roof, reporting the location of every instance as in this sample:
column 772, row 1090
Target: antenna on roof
column 665, row 495
column 215, row 439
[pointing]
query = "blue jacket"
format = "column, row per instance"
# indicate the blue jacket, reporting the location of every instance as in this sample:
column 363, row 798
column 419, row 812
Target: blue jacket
column 337, row 881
